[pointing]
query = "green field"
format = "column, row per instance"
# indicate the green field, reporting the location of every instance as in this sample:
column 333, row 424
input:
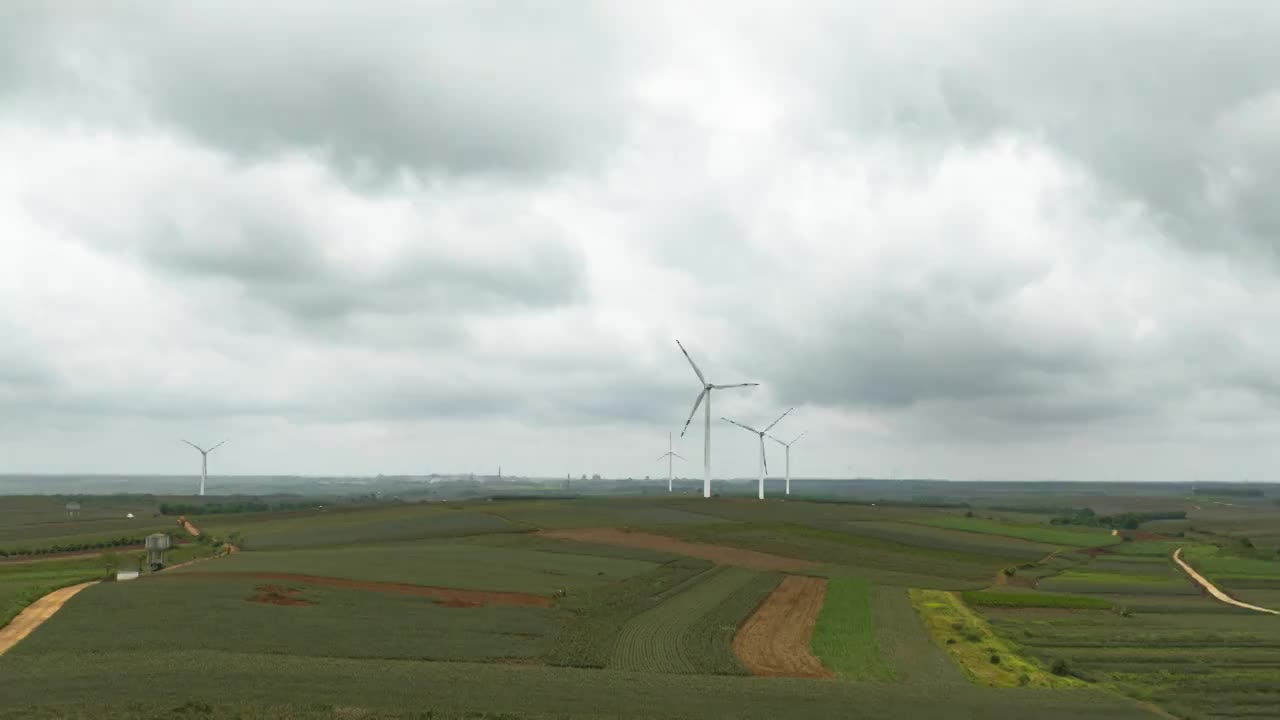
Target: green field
column 690, row 631
column 845, row 638
column 249, row 635
column 1075, row 537
column 1033, row 600
column 443, row 564
column 340, row 526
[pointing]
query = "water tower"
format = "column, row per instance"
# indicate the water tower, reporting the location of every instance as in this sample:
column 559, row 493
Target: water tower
column 73, row 510
column 157, row 545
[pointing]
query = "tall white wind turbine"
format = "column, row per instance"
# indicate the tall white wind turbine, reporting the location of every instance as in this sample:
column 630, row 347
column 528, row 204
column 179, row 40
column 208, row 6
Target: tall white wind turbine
column 669, row 455
column 764, row 462
column 706, row 429
column 788, row 445
column 204, row 461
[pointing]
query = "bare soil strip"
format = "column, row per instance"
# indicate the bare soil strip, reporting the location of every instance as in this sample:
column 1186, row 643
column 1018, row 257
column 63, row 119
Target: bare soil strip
column 775, row 640
column 715, row 553
column 185, row 525
column 34, row 615
column 451, row 597
column 1213, row 589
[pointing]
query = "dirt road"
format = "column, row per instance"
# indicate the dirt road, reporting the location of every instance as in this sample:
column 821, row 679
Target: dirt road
column 715, row 553
column 774, row 641
column 1213, row 590
column 182, row 521
column 35, row 614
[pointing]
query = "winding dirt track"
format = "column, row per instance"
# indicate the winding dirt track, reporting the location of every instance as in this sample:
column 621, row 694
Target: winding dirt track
column 35, row 614
column 452, row 597
column 715, row 553
column 1213, row 590
column 774, row 641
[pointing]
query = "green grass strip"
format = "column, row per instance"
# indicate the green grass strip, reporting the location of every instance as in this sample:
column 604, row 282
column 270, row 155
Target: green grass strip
column 844, row 637
column 1033, row 600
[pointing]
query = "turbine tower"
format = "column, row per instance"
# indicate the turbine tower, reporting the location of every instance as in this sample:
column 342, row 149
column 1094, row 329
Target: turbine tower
column 706, row 429
column 204, row 461
column 764, row 462
column 669, row 455
column 788, row 445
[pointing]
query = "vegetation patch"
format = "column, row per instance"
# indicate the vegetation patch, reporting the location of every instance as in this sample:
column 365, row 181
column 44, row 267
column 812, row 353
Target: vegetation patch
column 845, row 635
column 664, row 638
column 1037, row 533
column 985, row 658
column 1033, row 600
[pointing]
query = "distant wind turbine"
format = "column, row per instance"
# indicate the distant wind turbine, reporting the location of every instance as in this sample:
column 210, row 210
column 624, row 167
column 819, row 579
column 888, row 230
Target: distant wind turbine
column 204, row 461
column 706, row 429
column 788, row 445
column 764, row 462
column 669, row 455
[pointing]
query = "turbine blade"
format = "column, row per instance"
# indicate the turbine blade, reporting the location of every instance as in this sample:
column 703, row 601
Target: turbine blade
column 745, row 427
column 694, row 411
column 726, row 387
column 680, row 456
column 197, row 447
column 764, row 457
column 215, row 447
column 776, row 440
column 692, row 364
column 661, row 456
column 793, row 442
column 775, row 422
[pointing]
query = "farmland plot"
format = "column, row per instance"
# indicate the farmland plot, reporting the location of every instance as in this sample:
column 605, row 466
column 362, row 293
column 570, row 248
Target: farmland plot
column 942, row 539
column 1070, row 537
column 845, row 635
column 442, row 564
column 375, row 525
column 665, row 638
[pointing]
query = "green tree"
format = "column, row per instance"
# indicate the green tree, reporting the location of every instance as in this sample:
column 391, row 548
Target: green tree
column 111, row 561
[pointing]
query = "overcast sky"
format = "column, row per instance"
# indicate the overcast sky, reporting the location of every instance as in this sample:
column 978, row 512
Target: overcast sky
column 1003, row 240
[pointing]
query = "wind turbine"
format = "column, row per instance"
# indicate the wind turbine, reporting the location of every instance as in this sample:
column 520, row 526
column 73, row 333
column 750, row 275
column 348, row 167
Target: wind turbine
column 204, row 461
column 788, row 445
column 706, row 430
column 764, row 462
column 669, row 455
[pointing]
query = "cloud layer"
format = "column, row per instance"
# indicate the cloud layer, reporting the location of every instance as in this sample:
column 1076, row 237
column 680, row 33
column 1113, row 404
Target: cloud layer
column 989, row 241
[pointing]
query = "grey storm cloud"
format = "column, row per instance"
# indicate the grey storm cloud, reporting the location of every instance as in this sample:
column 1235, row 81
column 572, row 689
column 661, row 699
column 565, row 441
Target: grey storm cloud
column 983, row 221
column 483, row 87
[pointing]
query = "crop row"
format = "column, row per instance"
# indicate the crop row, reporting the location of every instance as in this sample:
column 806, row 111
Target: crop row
column 1033, row 600
column 691, row 631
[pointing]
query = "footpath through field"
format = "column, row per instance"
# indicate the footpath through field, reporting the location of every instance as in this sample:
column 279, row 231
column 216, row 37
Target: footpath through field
column 775, row 640
column 715, row 553
column 35, row 614
column 1213, row 590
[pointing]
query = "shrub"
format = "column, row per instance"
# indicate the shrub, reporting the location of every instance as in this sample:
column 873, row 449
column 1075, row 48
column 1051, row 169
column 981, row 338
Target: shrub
column 995, row 659
column 1060, row 667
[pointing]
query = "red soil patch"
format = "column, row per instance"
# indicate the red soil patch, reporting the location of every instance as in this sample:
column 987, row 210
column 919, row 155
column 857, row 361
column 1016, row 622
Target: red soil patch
column 715, row 553
column 774, row 641
column 277, row 595
column 449, row 597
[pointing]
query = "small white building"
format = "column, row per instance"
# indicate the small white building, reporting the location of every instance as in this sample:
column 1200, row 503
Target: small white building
column 122, row 575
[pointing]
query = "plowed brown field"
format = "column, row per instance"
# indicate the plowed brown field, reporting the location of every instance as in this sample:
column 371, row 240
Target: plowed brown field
column 774, row 641
column 450, row 597
column 715, row 553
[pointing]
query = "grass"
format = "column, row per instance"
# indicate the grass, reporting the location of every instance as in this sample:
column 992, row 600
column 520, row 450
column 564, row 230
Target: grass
column 1008, row 549
column 844, row 637
column 456, row 565
column 906, row 645
column 880, row 560
column 590, row 632
column 1074, row 537
column 985, row 658
column 1033, row 600
column 215, row 613
column 340, row 526
column 664, row 638
column 350, row 688
column 1086, row 581
column 23, row 583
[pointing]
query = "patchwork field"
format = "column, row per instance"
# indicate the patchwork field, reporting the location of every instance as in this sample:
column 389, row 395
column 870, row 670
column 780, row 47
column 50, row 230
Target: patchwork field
column 668, row 607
